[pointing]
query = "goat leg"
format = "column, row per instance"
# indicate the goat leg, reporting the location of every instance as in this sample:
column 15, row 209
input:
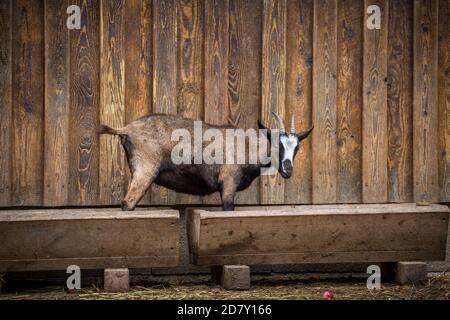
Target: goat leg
column 227, row 194
column 140, row 182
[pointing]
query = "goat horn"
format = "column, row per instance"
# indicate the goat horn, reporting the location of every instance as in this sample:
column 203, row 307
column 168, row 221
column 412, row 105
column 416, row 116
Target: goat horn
column 292, row 123
column 280, row 121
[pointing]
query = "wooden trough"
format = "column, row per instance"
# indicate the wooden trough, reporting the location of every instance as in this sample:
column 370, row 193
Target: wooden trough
column 319, row 234
column 89, row 238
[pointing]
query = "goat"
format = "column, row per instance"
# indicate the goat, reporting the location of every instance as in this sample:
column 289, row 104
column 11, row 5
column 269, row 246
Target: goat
column 148, row 145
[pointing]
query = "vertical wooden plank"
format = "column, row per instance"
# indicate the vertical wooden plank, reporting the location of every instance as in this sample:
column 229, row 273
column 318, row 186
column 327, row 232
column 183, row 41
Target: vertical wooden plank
column 216, row 61
column 57, row 99
column 5, row 101
column 84, row 106
column 28, row 101
column 374, row 122
column 349, row 100
column 299, row 58
column 190, row 58
column 138, row 59
column 399, row 94
column 216, row 68
column 164, row 73
column 190, row 67
column 444, row 99
column 273, row 85
column 324, row 102
column 425, row 110
column 138, row 64
column 112, row 108
column 244, row 74
column 165, row 40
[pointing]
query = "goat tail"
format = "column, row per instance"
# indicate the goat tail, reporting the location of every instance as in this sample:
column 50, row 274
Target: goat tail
column 104, row 129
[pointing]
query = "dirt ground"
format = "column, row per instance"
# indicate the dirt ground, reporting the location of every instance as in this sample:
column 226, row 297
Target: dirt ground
column 287, row 286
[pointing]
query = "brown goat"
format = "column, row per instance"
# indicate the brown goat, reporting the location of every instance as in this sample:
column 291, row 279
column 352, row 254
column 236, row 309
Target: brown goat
column 148, row 146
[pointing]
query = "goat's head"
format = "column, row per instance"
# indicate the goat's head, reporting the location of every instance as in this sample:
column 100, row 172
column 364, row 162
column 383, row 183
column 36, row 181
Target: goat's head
column 289, row 144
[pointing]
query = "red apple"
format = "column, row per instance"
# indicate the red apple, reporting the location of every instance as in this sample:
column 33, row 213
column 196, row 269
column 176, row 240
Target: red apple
column 328, row 295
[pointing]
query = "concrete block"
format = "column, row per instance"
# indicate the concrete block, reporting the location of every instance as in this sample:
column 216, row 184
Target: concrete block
column 410, row 272
column 236, row 277
column 116, row 280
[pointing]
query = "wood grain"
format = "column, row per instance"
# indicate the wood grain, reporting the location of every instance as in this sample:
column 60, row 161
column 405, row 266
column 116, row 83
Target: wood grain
column 273, row 85
column 425, row 111
column 28, row 102
column 299, row 61
column 138, row 64
column 319, row 235
column 244, row 74
column 444, row 99
column 190, row 58
column 374, row 120
column 399, row 94
column 6, row 90
column 112, row 103
column 57, row 104
column 216, row 48
column 84, row 106
column 324, row 148
column 190, row 67
column 216, row 61
column 164, row 74
column 138, row 59
column 90, row 238
column 378, row 98
column 349, row 100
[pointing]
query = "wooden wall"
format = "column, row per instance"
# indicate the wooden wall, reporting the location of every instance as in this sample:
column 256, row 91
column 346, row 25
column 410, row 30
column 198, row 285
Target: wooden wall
column 379, row 99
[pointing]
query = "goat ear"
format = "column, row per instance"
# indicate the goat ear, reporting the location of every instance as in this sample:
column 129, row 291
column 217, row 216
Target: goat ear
column 304, row 134
column 263, row 127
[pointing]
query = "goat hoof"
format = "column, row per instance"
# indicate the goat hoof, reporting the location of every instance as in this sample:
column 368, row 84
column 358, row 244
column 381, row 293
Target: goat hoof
column 125, row 207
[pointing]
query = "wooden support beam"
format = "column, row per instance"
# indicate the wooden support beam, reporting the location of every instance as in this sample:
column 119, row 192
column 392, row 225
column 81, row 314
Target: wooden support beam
column 89, row 238
column 319, row 234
